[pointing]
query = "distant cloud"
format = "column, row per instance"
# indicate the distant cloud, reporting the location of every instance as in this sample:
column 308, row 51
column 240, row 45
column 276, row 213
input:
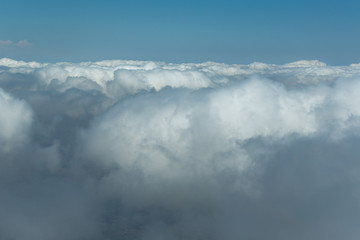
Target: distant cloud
column 4, row 43
column 9, row 43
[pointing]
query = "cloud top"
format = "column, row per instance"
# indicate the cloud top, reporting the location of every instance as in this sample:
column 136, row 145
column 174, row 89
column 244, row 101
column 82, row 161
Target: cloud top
column 118, row 77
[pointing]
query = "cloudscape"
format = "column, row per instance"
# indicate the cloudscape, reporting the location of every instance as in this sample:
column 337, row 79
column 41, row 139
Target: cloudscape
column 123, row 149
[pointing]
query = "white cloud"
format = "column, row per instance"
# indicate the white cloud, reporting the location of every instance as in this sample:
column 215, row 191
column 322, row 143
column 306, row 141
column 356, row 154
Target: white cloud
column 15, row 121
column 179, row 134
column 119, row 77
column 7, row 62
column 144, row 150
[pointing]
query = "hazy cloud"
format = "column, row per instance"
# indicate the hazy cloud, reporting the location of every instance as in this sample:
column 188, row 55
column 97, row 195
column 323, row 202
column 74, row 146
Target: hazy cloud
column 149, row 150
column 9, row 43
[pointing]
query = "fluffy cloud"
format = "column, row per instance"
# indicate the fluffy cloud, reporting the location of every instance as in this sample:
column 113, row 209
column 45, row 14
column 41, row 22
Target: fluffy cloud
column 150, row 150
column 15, row 121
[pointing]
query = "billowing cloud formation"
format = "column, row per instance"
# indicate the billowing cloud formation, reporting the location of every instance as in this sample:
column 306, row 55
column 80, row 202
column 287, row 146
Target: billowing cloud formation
column 150, row 150
column 15, row 121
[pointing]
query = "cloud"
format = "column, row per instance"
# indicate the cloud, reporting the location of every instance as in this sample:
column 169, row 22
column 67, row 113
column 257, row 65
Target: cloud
column 15, row 121
column 5, row 42
column 9, row 43
column 123, row 149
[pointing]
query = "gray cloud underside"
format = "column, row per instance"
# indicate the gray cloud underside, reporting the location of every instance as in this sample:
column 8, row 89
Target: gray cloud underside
column 150, row 150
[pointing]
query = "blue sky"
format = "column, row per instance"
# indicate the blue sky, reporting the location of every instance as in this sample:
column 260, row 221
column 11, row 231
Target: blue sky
column 182, row 31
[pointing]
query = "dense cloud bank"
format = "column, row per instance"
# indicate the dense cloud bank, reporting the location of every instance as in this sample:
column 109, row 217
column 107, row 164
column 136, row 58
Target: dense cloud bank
column 150, row 150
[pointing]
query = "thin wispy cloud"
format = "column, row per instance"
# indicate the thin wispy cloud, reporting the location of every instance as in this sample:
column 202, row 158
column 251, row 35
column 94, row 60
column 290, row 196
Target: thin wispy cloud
column 9, row 43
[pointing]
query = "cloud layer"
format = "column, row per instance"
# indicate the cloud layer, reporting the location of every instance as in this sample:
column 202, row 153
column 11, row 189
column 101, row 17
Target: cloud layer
column 150, row 150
